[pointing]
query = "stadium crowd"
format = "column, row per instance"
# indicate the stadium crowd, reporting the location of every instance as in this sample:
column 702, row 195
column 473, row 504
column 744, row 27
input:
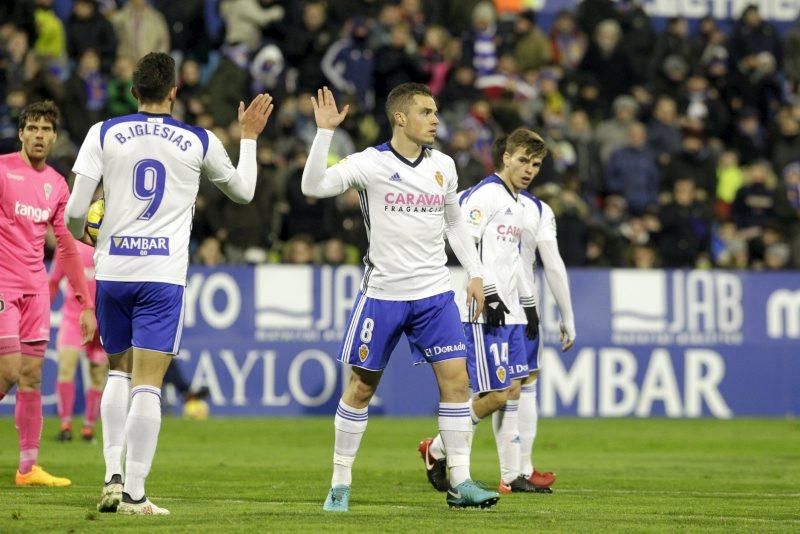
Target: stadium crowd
column 668, row 148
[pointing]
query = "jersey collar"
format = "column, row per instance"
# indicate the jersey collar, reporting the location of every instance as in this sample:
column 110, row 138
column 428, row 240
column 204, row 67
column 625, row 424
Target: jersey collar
column 388, row 146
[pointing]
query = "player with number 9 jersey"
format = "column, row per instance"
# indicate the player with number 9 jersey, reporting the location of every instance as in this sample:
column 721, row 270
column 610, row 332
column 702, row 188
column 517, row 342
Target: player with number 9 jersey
column 149, row 165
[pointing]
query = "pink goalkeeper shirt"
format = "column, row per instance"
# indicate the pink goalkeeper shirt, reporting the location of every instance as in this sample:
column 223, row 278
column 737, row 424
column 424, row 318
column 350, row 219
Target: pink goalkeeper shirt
column 29, row 201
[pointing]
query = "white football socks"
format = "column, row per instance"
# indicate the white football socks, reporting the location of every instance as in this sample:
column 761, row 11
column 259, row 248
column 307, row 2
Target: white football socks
column 455, row 429
column 350, row 424
column 141, row 436
column 113, row 414
column 505, row 423
column 528, row 420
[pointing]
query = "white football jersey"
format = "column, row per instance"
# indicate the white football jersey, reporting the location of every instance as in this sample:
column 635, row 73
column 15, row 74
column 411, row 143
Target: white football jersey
column 495, row 217
column 403, row 206
column 540, row 225
column 150, row 165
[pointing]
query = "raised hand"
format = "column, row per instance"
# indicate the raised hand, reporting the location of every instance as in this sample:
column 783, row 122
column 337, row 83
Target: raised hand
column 326, row 113
column 253, row 119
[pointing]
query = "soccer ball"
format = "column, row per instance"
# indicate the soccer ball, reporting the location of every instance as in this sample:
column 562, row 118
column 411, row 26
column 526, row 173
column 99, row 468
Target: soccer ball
column 196, row 409
column 95, row 218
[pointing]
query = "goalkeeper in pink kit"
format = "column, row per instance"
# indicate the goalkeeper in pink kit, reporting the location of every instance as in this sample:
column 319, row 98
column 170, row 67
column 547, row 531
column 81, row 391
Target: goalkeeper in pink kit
column 70, row 344
column 33, row 196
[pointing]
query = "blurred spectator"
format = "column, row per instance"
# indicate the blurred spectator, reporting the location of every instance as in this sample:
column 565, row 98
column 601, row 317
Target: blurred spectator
column 209, row 253
column 140, row 29
column 190, row 91
column 695, row 161
column 120, row 99
column 15, row 56
column 480, row 122
column 700, row 104
column 638, row 37
column 685, row 227
column 608, row 63
column 471, row 168
column 349, row 63
column 531, row 48
column 307, row 215
column 10, row 109
column 435, row 57
column 644, row 257
column 268, row 72
column 306, row 48
column 396, row 62
column 728, row 250
column 612, row 134
column 87, row 28
column 673, row 42
column 752, row 35
column 245, row 20
column 573, row 230
column 663, row 132
column 349, row 219
column 567, row 42
column 85, row 95
column 785, row 145
column 757, row 202
column 587, row 155
column 591, row 13
column 750, row 138
column 51, row 40
column 228, row 84
column 187, row 27
column 481, row 43
column 460, row 91
column 633, row 172
column 729, row 180
column 505, row 82
column 791, row 55
column 299, row 250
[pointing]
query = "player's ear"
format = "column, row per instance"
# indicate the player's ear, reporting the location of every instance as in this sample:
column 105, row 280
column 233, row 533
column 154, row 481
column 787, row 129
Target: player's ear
column 506, row 158
column 173, row 94
column 135, row 93
column 399, row 118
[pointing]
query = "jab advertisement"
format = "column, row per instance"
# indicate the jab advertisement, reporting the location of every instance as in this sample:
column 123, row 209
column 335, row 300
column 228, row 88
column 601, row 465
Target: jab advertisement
column 264, row 340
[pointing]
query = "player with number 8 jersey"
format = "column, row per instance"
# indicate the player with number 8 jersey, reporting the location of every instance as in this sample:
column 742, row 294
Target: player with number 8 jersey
column 149, row 165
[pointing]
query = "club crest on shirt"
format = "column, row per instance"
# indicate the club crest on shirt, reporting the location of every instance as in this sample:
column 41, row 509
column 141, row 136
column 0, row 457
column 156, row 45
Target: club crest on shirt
column 475, row 215
column 439, row 178
column 47, row 190
column 363, row 352
column 501, row 374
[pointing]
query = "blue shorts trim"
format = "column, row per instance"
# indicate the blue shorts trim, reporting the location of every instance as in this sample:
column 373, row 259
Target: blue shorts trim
column 432, row 326
column 496, row 356
column 144, row 315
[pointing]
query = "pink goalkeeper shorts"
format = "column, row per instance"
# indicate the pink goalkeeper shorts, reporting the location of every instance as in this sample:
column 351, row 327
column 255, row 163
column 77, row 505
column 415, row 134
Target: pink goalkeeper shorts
column 24, row 318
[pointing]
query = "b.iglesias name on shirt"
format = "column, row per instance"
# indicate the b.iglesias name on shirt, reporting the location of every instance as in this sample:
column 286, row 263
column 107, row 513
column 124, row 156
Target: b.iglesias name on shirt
column 173, row 135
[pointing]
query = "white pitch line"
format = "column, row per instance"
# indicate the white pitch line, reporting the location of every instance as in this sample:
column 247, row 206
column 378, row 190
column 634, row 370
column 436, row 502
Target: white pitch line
column 694, row 493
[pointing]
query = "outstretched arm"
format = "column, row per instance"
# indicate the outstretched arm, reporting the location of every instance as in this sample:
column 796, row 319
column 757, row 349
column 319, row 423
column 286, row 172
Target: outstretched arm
column 556, row 274
column 317, row 180
column 458, row 234
column 240, row 184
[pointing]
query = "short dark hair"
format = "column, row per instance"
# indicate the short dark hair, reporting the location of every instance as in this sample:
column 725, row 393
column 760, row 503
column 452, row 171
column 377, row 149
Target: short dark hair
column 45, row 109
column 532, row 142
column 154, row 77
column 401, row 97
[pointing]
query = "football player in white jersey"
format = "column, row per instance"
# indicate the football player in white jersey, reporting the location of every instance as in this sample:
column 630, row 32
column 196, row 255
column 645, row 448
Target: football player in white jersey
column 409, row 201
column 149, row 165
column 497, row 360
column 539, row 234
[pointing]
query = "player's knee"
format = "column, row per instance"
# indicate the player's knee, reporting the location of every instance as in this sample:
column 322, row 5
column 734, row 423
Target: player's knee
column 30, row 380
column 9, row 378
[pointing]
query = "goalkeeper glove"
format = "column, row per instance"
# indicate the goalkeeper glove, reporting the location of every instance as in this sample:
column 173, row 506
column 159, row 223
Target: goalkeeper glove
column 494, row 310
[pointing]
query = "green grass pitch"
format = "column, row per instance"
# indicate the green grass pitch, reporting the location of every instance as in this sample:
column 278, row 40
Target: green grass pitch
column 271, row 475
